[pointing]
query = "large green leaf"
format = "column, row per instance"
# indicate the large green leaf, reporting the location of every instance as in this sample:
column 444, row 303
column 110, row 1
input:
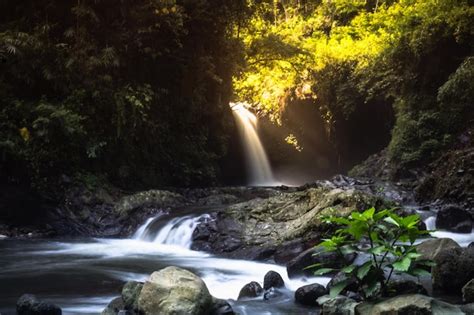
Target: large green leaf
column 323, row 271
column 363, row 270
column 402, row 265
column 337, row 288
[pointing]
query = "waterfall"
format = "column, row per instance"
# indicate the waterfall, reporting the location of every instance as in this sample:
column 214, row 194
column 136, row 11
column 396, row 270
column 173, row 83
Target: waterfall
column 258, row 166
column 178, row 231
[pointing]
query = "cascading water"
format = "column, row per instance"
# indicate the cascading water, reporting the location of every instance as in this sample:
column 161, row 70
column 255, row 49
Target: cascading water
column 177, row 232
column 258, row 166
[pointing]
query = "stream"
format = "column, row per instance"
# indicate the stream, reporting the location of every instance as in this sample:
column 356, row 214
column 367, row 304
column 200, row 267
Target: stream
column 83, row 275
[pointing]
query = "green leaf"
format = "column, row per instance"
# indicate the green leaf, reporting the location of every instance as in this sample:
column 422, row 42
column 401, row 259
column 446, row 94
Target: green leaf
column 391, row 221
column 348, row 269
column 323, row 271
column 369, row 213
column 377, row 250
column 363, row 270
column 337, row 288
column 313, row 266
column 402, row 265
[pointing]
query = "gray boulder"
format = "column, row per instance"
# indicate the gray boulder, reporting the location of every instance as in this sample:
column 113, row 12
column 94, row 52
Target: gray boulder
column 454, row 219
column 468, row 292
column 173, row 290
column 339, row 305
column 272, row 279
column 28, row 304
column 308, row 294
column 429, row 249
column 130, row 293
column 413, row 304
column 114, row 307
column 453, row 269
column 250, row 290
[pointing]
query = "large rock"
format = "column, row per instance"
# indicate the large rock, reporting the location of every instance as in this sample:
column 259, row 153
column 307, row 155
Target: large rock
column 279, row 219
column 114, row 307
column 28, row 304
column 296, row 266
column 429, row 249
column 272, row 279
column 401, row 286
column 250, row 290
column 413, row 304
column 454, row 219
column 453, row 269
column 468, row 292
column 221, row 307
column 130, row 293
column 339, row 305
column 173, row 290
column 308, row 294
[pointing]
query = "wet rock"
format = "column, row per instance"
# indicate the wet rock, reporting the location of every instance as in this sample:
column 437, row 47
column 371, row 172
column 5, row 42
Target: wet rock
column 453, row 269
column 250, row 290
column 338, row 305
column 273, row 279
column 130, row 292
column 471, row 245
column 468, row 309
column 221, row 307
column 173, row 290
column 468, row 292
column 28, row 304
column 429, row 249
column 114, row 307
column 308, row 294
column 454, row 219
column 412, row 304
column 289, row 250
column 399, row 287
column 296, row 266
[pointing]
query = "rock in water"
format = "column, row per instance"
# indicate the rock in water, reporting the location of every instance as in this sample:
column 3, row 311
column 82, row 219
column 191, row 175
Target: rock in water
column 130, row 293
column 28, row 304
column 272, row 279
column 468, row 292
column 173, row 290
column 453, row 269
column 431, row 248
column 454, row 219
column 308, row 294
column 250, row 290
column 114, row 307
column 413, row 304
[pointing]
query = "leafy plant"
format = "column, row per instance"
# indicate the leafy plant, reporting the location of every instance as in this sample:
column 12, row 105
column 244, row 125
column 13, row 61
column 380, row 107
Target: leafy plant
column 383, row 236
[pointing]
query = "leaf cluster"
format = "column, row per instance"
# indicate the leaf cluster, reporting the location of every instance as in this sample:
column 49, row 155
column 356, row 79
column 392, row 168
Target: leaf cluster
column 386, row 239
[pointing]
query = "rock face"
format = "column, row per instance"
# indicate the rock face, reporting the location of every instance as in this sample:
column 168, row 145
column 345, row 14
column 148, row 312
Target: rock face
column 272, row 279
column 413, row 304
column 174, row 291
column 296, row 266
column 308, row 294
column 453, row 269
column 257, row 228
column 28, row 304
column 454, row 219
column 250, row 290
column 468, row 292
column 399, row 287
column 431, row 248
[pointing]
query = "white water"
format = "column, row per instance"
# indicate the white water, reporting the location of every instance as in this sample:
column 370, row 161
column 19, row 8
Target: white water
column 463, row 239
column 258, row 167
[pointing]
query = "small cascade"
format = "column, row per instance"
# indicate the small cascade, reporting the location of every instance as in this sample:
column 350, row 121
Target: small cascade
column 178, row 231
column 258, row 166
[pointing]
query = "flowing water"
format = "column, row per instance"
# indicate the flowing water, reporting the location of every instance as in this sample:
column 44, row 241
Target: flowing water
column 258, row 166
column 82, row 276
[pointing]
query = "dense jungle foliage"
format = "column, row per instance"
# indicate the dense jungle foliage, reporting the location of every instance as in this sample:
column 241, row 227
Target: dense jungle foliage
column 367, row 66
column 137, row 92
